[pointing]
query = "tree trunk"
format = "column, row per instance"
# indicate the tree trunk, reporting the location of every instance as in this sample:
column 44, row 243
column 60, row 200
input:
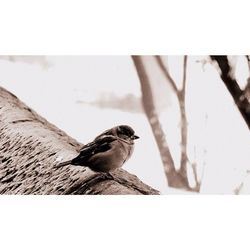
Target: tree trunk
column 175, row 178
column 30, row 149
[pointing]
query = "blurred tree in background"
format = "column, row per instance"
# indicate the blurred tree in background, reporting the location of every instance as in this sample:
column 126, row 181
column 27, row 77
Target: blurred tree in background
column 176, row 175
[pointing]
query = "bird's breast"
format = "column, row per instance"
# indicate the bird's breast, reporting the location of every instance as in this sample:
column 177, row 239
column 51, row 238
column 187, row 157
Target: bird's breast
column 126, row 150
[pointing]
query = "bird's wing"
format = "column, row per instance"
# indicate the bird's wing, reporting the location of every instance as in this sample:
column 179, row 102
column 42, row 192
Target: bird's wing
column 101, row 144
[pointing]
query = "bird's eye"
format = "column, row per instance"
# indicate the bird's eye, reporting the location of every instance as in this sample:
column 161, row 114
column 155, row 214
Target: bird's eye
column 125, row 130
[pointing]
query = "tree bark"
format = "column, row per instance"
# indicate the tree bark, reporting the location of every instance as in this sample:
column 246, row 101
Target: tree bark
column 30, row 149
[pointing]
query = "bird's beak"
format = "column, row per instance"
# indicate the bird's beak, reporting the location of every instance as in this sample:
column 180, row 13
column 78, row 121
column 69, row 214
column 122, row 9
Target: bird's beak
column 134, row 137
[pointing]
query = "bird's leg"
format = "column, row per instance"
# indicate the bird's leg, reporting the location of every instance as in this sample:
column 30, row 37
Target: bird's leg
column 109, row 176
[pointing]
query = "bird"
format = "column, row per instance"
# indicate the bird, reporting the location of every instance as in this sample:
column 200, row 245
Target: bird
column 108, row 151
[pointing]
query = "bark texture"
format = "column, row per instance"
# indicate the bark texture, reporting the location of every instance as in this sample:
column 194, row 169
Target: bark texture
column 30, row 149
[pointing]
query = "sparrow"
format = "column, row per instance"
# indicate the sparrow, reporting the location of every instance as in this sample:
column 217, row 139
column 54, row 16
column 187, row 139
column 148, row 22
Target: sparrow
column 108, row 151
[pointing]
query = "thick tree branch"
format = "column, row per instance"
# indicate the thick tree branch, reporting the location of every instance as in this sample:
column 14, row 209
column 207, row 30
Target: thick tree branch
column 30, row 149
column 238, row 95
column 150, row 110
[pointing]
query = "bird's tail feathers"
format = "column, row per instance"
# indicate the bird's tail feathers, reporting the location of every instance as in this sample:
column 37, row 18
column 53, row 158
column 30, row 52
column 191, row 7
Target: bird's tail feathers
column 65, row 163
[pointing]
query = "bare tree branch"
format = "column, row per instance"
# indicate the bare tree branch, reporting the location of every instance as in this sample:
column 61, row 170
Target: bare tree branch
column 166, row 73
column 248, row 62
column 148, row 104
column 176, row 178
column 238, row 95
column 182, row 106
column 239, row 187
column 184, row 74
column 197, row 183
column 195, row 174
column 181, row 95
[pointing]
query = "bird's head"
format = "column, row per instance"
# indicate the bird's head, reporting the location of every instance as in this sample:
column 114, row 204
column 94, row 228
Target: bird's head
column 126, row 132
column 123, row 132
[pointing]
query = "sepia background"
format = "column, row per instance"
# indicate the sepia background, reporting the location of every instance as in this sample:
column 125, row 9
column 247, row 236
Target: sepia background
column 199, row 128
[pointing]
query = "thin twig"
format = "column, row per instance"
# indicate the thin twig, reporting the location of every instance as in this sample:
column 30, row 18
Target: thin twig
column 194, row 167
column 184, row 74
column 238, row 189
column 166, row 73
column 196, row 179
